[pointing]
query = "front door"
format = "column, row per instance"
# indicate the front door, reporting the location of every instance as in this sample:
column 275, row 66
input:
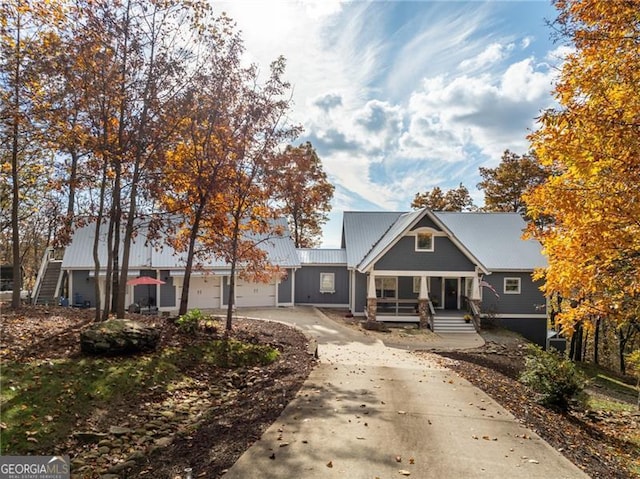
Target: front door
column 451, row 293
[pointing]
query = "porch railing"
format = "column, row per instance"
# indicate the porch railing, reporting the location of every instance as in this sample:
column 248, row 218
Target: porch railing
column 474, row 312
column 396, row 307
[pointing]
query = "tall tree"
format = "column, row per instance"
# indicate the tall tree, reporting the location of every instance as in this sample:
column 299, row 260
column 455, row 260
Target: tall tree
column 592, row 144
column 26, row 33
column 260, row 126
column 301, row 185
column 455, row 199
column 132, row 59
column 198, row 166
column 505, row 184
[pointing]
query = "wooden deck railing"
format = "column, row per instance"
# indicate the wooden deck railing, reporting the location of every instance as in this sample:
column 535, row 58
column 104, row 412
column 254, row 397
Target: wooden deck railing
column 397, row 307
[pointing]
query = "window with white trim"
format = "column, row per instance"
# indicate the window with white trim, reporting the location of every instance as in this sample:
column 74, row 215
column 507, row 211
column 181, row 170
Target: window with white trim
column 424, row 241
column 512, row 286
column 327, row 282
column 386, row 287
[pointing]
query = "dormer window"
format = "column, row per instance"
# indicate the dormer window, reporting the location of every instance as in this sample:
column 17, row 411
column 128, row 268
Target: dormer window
column 424, row 241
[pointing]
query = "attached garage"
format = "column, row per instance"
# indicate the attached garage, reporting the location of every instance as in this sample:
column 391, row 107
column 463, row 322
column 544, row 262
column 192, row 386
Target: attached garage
column 251, row 295
column 204, row 292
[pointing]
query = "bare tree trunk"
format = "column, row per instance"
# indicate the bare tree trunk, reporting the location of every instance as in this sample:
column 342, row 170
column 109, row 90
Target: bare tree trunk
column 109, row 270
column 117, row 190
column 184, row 297
column 575, row 353
column 96, row 241
column 596, row 342
column 232, row 280
column 231, row 302
column 15, row 177
column 73, row 179
column 621, row 345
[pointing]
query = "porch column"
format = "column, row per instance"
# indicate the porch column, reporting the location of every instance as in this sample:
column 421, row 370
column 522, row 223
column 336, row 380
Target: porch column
column 157, row 305
column 70, row 287
column 372, row 303
column 423, row 302
column 475, row 289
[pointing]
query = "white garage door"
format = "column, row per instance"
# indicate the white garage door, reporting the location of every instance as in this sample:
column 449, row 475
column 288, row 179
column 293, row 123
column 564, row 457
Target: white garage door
column 204, row 292
column 255, row 294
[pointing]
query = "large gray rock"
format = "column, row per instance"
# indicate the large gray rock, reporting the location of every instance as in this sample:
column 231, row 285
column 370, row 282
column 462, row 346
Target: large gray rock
column 119, row 336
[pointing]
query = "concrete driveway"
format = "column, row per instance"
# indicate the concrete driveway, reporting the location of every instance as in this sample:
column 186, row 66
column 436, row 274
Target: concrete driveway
column 371, row 411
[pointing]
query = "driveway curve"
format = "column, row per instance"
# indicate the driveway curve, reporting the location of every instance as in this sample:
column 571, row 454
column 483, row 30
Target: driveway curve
column 370, row 411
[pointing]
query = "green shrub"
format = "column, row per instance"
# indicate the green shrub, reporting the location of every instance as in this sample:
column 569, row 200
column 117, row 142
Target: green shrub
column 229, row 353
column 554, row 378
column 188, row 323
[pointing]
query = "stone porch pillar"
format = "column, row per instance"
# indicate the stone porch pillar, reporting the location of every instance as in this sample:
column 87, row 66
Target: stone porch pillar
column 372, row 303
column 423, row 302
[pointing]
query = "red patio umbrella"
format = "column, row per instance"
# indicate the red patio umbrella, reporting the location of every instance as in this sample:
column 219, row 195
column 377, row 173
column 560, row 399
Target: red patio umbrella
column 144, row 280
column 148, row 280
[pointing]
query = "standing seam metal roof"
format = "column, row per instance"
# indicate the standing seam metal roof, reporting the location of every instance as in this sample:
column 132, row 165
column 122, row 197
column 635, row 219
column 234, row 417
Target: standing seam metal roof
column 78, row 255
column 396, row 229
column 322, row 256
column 495, row 239
column 362, row 230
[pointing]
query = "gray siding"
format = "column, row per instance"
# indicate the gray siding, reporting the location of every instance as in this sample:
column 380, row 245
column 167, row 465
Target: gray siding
column 533, row 329
column 308, row 285
column 225, row 290
column 360, row 292
column 167, row 291
column 83, row 288
column 405, row 288
column 529, row 301
column 284, row 288
column 445, row 257
column 426, row 222
column 435, row 292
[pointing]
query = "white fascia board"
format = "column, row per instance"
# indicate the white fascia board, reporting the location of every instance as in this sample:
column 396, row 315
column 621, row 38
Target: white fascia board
column 442, row 274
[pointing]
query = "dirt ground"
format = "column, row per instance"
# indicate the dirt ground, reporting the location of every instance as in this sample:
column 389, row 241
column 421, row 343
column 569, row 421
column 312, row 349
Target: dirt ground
column 151, row 443
column 595, row 441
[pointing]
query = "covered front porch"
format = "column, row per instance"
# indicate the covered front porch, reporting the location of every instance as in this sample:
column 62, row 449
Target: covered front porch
column 425, row 297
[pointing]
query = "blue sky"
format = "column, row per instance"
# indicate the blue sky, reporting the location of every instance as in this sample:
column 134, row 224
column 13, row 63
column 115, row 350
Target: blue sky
column 399, row 97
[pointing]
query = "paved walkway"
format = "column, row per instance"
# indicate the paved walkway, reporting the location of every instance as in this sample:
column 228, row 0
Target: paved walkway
column 368, row 410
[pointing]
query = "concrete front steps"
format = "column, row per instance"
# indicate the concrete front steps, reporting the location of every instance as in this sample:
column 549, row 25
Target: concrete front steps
column 452, row 325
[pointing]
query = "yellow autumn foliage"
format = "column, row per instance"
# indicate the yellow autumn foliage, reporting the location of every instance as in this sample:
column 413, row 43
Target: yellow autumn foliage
column 592, row 145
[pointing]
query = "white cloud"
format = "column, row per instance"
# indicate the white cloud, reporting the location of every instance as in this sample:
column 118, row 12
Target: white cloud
column 379, row 125
column 485, row 112
column 494, row 53
column 398, row 97
column 353, row 173
column 522, row 81
column 319, row 9
column 557, row 55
